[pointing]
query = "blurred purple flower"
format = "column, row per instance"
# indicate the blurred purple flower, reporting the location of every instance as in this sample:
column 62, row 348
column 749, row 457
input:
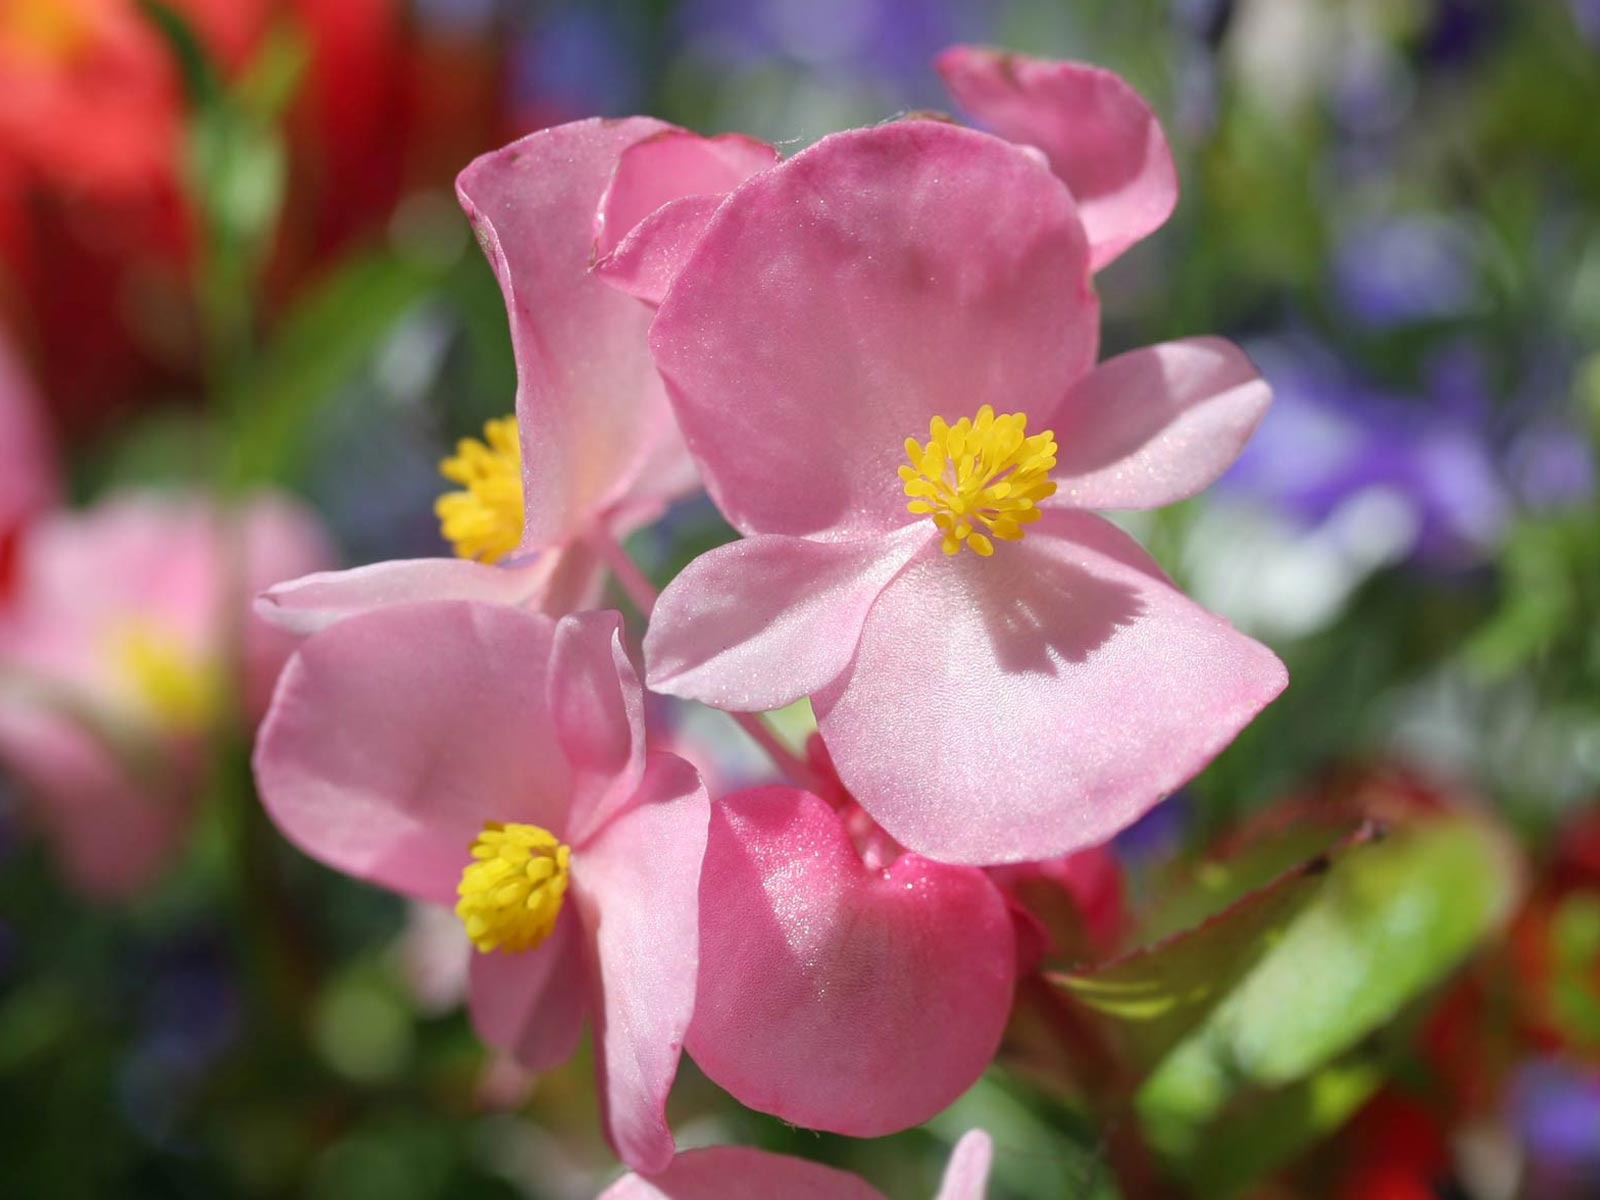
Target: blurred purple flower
column 1587, row 15
column 1555, row 1110
column 579, row 60
column 1399, row 270
column 1330, row 436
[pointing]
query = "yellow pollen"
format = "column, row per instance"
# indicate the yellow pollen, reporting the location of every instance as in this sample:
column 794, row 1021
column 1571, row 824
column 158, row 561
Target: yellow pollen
column 180, row 691
column 512, row 889
column 484, row 519
column 980, row 474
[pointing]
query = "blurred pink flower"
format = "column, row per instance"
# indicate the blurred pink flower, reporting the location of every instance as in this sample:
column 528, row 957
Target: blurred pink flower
column 729, row 1172
column 844, row 985
column 399, row 736
column 113, row 665
column 1006, row 705
column 594, row 452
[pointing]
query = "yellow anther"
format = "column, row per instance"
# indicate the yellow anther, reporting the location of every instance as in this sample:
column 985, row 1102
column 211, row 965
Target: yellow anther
column 981, row 478
column 180, row 690
column 484, row 519
column 511, row 891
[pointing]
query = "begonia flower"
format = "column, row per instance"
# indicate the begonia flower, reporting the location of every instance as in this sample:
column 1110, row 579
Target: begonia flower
column 492, row 759
column 730, row 1172
column 1000, row 675
column 114, row 654
column 593, row 451
column 844, row 985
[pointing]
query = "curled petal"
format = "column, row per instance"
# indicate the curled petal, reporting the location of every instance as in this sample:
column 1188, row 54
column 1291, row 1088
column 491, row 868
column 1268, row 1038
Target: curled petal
column 637, row 886
column 835, row 996
column 1156, row 425
column 532, row 1005
column 761, row 622
column 1098, row 133
column 394, row 736
column 1063, row 687
column 598, row 709
column 842, row 299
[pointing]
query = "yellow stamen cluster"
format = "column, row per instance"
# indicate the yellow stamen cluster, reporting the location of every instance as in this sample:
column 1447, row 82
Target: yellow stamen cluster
column 484, row 519
column 511, row 891
column 178, row 690
column 980, row 474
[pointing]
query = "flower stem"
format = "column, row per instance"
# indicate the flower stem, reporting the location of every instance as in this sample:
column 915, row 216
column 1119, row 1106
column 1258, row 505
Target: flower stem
column 643, row 594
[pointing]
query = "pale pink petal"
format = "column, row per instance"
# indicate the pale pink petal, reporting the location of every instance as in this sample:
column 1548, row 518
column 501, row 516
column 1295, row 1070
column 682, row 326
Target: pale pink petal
column 312, row 603
column 966, row 1177
column 589, row 404
column 758, row 623
column 834, row 996
column 532, row 1005
column 598, row 707
column 637, row 885
column 1098, row 133
column 844, row 297
column 668, row 166
column 739, row 1173
column 283, row 540
column 1037, row 702
column 113, row 826
column 647, row 261
column 1156, row 425
column 395, row 735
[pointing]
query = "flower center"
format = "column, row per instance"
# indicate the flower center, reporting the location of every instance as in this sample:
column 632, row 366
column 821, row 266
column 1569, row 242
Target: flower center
column 182, row 692
column 980, row 474
column 484, row 519
column 512, row 889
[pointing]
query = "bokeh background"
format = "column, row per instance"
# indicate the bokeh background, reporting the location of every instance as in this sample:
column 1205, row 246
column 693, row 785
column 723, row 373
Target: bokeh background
column 230, row 258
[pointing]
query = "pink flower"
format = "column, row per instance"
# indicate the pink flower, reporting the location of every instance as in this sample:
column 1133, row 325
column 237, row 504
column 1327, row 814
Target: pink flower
column 593, row 451
column 113, row 666
column 730, row 1172
column 844, row 985
column 489, row 758
column 999, row 674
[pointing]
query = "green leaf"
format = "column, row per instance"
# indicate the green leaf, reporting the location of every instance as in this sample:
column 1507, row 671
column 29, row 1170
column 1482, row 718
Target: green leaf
column 202, row 84
column 1149, row 1001
column 323, row 341
column 1389, row 923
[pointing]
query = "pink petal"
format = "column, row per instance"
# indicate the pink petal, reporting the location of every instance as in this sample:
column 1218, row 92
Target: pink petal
column 598, row 708
column 1100, row 136
column 283, row 540
column 532, row 1005
column 1156, row 425
column 841, row 299
column 966, row 1177
column 113, row 830
column 1063, row 687
column 314, row 602
column 758, row 623
column 837, row 997
column 726, row 1172
column 671, row 165
column 396, row 734
column 589, row 404
column 637, row 886
column 649, row 259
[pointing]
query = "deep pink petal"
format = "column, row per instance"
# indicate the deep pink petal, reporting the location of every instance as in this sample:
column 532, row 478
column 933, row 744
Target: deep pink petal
column 598, row 708
column 758, row 623
column 532, row 1005
column 837, row 997
column 589, row 404
column 1062, row 688
column 727, row 1172
column 314, row 602
column 637, row 885
column 966, row 1177
column 396, row 734
column 841, row 299
column 1156, row 425
column 1098, row 133
column 668, row 166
